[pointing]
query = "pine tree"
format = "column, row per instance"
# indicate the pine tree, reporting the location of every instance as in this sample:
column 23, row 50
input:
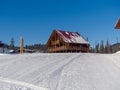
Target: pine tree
column 107, row 47
column 102, row 49
column 97, row 48
column 12, row 43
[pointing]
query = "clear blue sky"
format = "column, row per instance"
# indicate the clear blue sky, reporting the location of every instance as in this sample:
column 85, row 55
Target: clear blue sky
column 36, row 19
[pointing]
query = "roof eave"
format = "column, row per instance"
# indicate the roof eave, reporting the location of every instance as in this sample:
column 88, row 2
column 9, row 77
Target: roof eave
column 78, row 43
column 117, row 26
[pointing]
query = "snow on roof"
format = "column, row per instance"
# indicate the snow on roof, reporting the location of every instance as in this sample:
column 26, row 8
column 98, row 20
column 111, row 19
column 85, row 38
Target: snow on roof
column 72, row 37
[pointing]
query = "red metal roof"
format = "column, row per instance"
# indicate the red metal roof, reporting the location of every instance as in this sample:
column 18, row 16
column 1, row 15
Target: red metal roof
column 72, row 37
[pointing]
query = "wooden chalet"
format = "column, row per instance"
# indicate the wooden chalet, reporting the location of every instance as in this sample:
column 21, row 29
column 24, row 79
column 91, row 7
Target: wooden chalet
column 117, row 26
column 62, row 41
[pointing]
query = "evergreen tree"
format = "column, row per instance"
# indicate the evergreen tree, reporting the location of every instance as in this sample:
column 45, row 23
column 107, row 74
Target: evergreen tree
column 102, row 49
column 107, row 47
column 92, row 50
column 97, row 48
column 12, row 43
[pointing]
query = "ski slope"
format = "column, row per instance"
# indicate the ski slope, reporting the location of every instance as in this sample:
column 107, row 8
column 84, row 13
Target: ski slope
column 60, row 71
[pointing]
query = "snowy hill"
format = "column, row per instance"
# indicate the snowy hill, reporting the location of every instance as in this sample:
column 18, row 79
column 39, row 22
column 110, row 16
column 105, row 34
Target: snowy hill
column 65, row 71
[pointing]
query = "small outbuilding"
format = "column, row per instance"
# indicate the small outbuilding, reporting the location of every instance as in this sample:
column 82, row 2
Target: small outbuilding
column 64, row 41
column 3, row 47
column 26, row 51
column 2, row 44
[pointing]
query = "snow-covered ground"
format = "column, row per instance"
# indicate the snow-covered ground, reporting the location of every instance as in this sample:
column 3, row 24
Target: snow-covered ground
column 60, row 71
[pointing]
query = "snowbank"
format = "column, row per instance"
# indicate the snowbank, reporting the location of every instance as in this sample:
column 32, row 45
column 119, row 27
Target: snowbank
column 118, row 52
column 67, row 71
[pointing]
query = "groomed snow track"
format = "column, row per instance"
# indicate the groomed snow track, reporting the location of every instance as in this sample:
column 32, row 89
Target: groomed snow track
column 60, row 71
column 8, row 84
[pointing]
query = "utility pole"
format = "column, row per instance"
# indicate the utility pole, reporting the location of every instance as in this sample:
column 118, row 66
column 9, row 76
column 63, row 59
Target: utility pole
column 21, row 46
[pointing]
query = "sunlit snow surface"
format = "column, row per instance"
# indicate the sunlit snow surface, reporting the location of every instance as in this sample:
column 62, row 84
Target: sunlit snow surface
column 65, row 71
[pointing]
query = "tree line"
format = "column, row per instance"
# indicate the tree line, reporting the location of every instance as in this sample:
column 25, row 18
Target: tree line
column 36, row 47
column 98, row 48
column 105, row 48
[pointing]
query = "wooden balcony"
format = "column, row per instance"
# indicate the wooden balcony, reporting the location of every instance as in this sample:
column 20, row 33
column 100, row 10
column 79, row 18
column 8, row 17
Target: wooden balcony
column 64, row 48
column 55, row 42
column 55, row 49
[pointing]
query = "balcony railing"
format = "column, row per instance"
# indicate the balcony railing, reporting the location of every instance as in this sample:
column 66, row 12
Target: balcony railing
column 63, row 48
column 57, row 49
column 55, row 42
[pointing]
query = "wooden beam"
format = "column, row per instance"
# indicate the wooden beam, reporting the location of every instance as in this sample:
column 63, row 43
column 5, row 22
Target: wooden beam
column 21, row 45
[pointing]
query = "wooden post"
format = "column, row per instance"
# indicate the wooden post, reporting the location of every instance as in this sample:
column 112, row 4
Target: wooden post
column 21, row 45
